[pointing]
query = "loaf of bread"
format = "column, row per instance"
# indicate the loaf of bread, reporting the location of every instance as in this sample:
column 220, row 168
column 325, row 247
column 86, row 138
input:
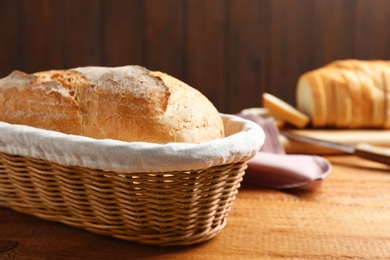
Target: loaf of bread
column 346, row 94
column 128, row 103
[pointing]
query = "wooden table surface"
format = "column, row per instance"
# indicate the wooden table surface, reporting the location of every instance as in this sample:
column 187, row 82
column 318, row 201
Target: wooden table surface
column 348, row 217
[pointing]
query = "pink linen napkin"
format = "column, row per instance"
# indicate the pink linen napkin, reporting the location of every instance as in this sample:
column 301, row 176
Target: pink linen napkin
column 273, row 168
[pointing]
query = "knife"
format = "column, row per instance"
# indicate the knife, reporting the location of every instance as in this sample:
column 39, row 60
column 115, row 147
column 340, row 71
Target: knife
column 363, row 150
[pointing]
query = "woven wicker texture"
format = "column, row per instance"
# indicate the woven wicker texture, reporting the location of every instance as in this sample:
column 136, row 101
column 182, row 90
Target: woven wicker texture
column 347, row 218
column 170, row 208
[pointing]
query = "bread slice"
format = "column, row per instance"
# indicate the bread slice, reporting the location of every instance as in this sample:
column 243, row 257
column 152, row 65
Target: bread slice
column 350, row 88
column 355, row 94
column 366, row 99
column 311, row 98
column 379, row 107
column 371, row 71
column 373, row 101
column 342, row 99
column 282, row 110
column 330, row 95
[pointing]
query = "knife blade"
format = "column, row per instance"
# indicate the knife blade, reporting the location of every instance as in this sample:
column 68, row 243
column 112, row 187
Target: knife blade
column 363, row 150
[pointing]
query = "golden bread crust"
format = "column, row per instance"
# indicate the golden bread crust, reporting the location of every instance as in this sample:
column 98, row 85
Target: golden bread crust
column 127, row 103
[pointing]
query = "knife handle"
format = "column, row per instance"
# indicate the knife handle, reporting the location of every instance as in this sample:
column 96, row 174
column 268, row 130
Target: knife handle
column 373, row 153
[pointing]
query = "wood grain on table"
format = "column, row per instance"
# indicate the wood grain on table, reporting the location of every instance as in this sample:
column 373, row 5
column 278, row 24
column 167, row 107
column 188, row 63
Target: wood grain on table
column 348, row 217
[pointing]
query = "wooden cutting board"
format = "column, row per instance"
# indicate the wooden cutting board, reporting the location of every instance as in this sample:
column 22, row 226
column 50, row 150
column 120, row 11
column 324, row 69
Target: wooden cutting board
column 373, row 137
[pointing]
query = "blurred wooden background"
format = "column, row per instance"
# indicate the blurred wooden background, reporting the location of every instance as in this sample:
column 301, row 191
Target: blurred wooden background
column 231, row 50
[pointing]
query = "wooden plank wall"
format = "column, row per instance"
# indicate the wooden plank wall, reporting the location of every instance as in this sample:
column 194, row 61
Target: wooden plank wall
column 231, row 50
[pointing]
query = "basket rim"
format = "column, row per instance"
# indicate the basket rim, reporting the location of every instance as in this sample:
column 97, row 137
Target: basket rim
column 242, row 142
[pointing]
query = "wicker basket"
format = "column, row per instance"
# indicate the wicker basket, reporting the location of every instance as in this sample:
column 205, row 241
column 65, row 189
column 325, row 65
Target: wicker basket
column 162, row 208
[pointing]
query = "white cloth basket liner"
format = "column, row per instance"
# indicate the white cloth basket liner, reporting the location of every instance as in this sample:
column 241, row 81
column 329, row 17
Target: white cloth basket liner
column 243, row 140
